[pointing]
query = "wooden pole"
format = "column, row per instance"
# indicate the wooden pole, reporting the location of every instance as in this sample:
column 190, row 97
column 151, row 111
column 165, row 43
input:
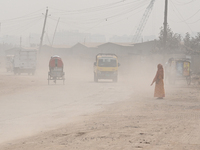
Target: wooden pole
column 43, row 30
column 165, row 25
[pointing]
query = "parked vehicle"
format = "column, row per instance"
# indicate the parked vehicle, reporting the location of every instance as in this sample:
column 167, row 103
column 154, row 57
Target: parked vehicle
column 56, row 69
column 178, row 69
column 106, row 67
column 9, row 63
column 25, row 61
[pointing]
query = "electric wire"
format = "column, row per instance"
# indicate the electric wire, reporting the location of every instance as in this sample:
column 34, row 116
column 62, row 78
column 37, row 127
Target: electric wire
column 16, row 24
column 97, row 8
column 181, row 17
column 189, row 18
column 11, row 23
column 22, row 28
column 23, row 20
column 184, row 3
column 21, row 17
column 106, row 19
column 90, row 20
column 117, row 20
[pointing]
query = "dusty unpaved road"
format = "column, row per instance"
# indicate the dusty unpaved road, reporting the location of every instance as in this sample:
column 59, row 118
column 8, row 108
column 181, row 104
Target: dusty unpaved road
column 85, row 115
column 29, row 105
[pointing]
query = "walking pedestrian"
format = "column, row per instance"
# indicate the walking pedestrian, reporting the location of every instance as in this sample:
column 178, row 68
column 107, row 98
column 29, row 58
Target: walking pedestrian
column 159, row 91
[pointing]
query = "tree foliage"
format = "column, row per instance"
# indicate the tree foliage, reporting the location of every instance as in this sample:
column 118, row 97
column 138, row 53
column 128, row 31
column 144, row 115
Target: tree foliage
column 192, row 42
column 173, row 39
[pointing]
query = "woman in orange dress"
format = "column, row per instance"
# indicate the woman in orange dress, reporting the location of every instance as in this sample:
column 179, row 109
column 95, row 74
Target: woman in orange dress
column 159, row 87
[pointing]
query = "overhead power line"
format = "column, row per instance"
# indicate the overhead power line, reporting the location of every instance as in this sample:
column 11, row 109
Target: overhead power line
column 181, row 17
column 189, row 18
column 120, row 3
column 19, row 27
column 106, row 18
column 184, row 3
column 22, row 17
column 92, row 17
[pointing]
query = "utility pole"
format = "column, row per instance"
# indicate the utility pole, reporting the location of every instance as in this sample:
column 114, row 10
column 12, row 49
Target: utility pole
column 165, row 25
column 43, row 30
column 55, row 32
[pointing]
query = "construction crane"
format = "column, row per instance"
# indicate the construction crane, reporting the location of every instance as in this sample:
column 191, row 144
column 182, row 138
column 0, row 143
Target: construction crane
column 143, row 22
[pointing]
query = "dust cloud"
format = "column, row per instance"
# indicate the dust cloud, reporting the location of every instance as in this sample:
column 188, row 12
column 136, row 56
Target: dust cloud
column 32, row 108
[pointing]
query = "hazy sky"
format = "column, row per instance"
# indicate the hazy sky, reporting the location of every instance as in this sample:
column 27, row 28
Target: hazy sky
column 109, row 17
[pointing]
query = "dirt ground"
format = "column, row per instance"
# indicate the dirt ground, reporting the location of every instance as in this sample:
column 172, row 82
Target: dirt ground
column 135, row 120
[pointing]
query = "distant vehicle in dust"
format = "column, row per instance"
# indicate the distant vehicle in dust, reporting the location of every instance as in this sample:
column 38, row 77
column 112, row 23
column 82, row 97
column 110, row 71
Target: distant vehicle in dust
column 9, row 63
column 56, row 69
column 106, row 67
column 178, row 69
column 25, row 61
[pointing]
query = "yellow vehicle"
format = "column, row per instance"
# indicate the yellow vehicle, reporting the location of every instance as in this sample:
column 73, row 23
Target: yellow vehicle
column 106, row 67
column 177, row 69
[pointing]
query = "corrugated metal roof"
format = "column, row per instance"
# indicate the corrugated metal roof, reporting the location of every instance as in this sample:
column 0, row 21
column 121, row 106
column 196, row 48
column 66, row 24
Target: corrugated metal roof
column 119, row 44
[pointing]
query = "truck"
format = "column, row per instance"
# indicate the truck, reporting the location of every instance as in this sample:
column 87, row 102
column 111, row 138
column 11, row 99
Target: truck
column 24, row 61
column 106, row 67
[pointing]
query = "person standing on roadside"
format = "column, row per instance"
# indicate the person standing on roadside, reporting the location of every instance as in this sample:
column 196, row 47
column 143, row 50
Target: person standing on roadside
column 159, row 91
